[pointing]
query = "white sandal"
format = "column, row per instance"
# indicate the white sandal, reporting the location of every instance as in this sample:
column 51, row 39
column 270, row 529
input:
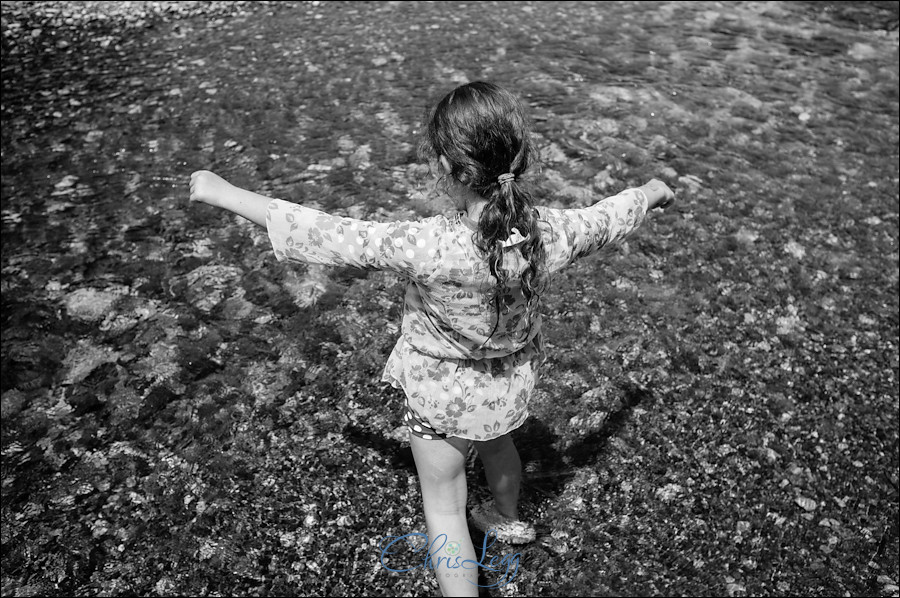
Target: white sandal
column 512, row 531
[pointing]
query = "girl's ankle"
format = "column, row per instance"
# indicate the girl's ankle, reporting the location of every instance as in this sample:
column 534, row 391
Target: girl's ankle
column 510, row 514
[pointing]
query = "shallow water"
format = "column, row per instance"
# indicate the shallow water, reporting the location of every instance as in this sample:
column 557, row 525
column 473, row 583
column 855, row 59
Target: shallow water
column 263, row 97
column 763, row 306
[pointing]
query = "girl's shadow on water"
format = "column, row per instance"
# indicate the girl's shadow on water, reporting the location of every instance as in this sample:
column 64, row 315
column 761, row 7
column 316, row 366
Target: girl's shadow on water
column 548, row 468
column 589, row 450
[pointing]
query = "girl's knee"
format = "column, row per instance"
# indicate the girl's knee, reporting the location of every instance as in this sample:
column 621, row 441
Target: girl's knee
column 441, row 479
column 440, row 463
column 444, row 493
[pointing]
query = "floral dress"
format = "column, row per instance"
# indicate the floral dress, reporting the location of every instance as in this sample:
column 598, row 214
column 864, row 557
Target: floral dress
column 467, row 371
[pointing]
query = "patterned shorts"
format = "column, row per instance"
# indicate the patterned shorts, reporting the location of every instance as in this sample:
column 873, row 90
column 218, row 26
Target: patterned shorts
column 419, row 427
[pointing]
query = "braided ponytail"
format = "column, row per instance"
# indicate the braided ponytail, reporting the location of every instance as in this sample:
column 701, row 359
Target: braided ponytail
column 510, row 209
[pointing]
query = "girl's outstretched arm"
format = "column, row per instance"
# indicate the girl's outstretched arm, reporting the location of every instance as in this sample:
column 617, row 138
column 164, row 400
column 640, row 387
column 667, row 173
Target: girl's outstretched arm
column 210, row 188
column 302, row 234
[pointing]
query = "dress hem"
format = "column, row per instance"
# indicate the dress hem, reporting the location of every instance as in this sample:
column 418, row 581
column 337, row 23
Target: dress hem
column 395, row 383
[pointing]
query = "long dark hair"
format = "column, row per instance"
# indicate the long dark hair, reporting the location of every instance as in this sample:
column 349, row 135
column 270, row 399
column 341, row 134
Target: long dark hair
column 482, row 131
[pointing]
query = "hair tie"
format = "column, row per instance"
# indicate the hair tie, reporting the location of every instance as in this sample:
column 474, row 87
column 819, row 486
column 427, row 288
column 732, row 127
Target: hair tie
column 506, row 178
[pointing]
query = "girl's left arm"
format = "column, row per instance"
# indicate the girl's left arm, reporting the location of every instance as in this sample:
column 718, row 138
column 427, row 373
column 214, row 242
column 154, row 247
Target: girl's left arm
column 211, row 189
column 580, row 232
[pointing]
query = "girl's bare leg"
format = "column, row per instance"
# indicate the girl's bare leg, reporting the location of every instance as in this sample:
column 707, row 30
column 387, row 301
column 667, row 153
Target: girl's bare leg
column 503, row 470
column 441, row 464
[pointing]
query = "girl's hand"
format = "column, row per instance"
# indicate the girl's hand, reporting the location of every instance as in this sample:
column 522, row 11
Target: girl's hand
column 209, row 188
column 658, row 194
column 212, row 189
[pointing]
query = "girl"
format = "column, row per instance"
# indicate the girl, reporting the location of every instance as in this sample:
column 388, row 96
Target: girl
column 470, row 347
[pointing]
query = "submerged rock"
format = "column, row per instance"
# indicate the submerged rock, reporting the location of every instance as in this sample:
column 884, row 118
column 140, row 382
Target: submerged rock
column 90, row 305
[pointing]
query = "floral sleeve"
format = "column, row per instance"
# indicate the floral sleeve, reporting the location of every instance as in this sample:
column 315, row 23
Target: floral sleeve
column 579, row 232
column 306, row 235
